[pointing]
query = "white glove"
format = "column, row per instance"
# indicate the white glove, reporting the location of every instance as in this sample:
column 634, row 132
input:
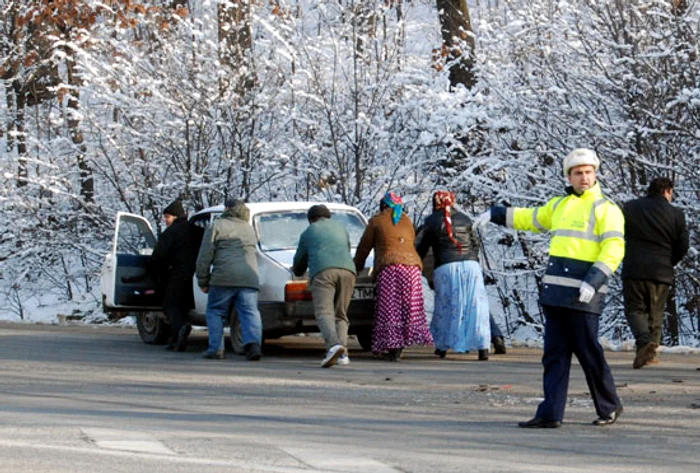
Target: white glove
column 482, row 219
column 586, row 293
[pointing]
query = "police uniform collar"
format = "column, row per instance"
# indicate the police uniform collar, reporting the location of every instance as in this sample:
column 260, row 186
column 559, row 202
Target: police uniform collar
column 594, row 189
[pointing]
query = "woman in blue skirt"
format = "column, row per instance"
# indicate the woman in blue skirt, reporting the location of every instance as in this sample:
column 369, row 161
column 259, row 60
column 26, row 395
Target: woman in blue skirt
column 461, row 317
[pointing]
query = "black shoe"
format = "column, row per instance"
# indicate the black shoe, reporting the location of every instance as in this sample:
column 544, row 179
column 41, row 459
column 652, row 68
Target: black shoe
column 182, row 337
column 540, row 423
column 609, row 419
column 483, row 355
column 213, row 355
column 499, row 345
column 441, row 353
column 393, row 355
column 252, row 352
column 170, row 347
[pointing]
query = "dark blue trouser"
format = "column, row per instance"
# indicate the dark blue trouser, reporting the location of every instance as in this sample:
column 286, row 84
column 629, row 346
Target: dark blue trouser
column 568, row 332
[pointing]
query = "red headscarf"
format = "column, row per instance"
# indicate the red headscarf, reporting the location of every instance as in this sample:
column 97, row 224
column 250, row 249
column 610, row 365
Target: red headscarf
column 443, row 200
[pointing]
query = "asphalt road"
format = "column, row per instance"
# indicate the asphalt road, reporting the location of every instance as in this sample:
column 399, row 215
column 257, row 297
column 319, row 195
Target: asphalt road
column 96, row 399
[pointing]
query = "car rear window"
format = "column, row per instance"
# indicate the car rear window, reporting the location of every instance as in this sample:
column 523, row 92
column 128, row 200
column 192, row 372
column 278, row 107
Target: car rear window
column 281, row 230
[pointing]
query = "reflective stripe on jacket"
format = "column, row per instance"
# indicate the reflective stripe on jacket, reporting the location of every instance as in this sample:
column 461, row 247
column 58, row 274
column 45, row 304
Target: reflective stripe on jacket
column 588, row 245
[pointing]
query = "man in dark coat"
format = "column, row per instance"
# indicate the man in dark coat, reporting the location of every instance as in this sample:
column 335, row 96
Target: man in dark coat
column 173, row 264
column 657, row 239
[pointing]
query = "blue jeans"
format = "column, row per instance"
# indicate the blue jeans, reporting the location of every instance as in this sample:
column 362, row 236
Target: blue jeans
column 221, row 300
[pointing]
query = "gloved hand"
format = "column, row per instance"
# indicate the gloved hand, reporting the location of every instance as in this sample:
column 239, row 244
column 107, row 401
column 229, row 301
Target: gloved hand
column 482, row 219
column 586, row 293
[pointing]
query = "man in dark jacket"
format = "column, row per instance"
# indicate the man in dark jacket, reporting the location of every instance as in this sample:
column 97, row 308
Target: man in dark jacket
column 172, row 263
column 657, row 239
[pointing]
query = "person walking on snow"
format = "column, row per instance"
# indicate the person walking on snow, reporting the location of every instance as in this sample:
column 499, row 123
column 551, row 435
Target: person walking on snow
column 586, row 248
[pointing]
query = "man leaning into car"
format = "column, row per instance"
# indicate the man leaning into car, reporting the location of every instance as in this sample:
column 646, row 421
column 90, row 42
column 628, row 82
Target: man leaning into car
column 324, row 248
column 228, row 248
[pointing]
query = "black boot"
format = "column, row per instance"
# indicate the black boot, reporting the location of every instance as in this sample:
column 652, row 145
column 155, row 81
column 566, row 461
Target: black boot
column 182, row 337
column 483, row 355
column 392, row 355
column 441, row 353
column 253, row 352
column 499, row 345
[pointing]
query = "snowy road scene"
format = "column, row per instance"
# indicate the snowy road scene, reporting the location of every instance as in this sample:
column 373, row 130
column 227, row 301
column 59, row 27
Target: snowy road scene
column 300, row 236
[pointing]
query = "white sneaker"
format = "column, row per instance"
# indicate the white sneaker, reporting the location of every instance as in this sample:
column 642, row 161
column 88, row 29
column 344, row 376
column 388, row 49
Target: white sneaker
column 335, row 352
column 343, row 360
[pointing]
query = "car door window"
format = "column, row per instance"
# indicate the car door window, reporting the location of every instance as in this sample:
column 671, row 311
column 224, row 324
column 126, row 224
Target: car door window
column 198, row 226
column 134, row 237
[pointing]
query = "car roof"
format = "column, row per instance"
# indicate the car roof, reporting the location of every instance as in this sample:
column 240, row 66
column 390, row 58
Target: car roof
column 262, row 207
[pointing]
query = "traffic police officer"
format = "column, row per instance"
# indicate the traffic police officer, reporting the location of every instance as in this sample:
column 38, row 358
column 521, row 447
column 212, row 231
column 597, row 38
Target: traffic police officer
column 586, row 248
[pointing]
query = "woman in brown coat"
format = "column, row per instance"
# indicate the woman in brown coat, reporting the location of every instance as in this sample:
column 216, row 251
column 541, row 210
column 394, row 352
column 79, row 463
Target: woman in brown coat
column 399, row 318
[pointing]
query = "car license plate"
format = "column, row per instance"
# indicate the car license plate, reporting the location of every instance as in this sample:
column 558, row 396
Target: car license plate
column 363, row 292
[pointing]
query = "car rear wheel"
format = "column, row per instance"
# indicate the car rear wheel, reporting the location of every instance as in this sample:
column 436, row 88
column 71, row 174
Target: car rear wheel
column 153, row 328
column 364, row 337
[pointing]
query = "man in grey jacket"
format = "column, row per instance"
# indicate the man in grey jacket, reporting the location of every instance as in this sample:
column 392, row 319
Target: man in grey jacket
column 324, row 248
column 227, row 269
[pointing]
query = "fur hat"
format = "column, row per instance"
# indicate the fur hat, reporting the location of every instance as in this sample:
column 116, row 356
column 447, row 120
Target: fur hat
column 238, row 208
column 175, row 208
column 581, row 157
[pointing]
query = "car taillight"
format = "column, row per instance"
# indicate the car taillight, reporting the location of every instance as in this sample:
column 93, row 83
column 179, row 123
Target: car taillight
column 297, row 291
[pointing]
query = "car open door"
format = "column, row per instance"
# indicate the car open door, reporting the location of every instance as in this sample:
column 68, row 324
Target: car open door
column 126, row 284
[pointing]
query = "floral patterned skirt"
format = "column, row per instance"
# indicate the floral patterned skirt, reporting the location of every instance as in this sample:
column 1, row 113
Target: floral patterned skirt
column 461, row 317
column 399, row 316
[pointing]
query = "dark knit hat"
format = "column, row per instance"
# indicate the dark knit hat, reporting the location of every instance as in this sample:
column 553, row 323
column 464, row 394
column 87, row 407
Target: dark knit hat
column 176, row 209
column 318, row 211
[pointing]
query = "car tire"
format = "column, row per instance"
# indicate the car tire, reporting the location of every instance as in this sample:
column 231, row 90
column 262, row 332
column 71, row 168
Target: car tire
column 364, row 338
column 153, row 328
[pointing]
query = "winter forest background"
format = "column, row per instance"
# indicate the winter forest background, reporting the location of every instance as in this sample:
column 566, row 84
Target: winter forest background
column 126, row 105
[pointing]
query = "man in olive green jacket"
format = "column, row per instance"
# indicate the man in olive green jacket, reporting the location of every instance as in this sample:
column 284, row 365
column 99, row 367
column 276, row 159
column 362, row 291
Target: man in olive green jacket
column 227, row 269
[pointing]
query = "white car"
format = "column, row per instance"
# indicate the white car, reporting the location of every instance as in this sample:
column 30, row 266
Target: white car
column 284, row 300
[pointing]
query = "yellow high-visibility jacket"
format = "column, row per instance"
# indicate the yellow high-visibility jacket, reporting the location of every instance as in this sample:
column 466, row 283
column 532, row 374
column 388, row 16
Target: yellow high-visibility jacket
column 588, row 244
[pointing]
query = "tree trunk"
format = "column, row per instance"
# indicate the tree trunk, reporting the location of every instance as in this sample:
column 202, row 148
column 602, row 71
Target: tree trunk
column 20, row 138
column 87, row 182
column 236, row 43
column 457, row 41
